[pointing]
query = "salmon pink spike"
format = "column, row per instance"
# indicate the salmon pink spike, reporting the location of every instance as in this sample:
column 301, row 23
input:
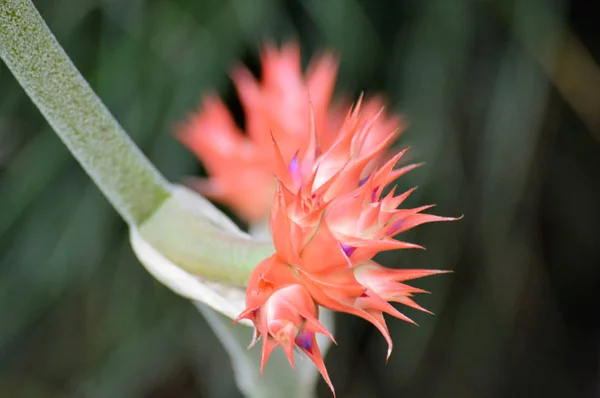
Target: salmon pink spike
column 296, row 111
column 320, row 175
column 289, row 319
column 328, row 221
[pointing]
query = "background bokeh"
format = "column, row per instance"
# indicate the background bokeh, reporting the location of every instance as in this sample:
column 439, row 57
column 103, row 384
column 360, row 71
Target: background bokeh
column 503, row 99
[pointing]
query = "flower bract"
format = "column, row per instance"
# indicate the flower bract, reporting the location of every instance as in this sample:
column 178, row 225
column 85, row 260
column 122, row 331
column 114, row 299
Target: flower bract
column 324, row 178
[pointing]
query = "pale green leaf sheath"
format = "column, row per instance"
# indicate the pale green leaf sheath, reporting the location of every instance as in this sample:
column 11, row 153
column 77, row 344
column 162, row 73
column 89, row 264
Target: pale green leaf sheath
column 183, row 228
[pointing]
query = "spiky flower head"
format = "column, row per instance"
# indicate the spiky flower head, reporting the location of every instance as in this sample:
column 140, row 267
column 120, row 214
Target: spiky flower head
column 323, row 178
column 328, row 221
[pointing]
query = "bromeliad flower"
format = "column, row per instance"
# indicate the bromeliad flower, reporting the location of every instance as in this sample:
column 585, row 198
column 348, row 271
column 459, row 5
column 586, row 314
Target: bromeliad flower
column 327, row 222
column 323, row 178
column 284, row 313
column 240, row 164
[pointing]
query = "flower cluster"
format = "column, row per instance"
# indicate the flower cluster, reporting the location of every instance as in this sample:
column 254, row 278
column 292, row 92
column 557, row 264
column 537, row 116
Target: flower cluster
column 322, row 177
column 241, row 165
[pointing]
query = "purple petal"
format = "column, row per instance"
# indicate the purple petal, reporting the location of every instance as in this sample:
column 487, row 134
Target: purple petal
column 374, row 194
column 304, row 339
column 362, row 182
column 396, row 226
column 294, row 169
column 348, row 250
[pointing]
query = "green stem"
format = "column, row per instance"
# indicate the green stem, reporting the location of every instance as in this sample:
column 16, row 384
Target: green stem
column 182, row 226
column 129, row 181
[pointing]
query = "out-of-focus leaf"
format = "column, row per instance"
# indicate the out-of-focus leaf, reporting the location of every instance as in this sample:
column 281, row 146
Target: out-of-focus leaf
column 123, row 374
column 30, row 172
column 28, row 388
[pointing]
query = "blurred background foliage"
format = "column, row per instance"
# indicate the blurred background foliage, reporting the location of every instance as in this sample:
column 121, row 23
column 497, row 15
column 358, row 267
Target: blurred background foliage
column 503, row 99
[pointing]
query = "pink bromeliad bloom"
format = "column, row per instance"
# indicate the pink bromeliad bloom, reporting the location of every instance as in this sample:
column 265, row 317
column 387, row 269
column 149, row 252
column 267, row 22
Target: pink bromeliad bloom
column 240, row 165
column 322, row 179
column 327, row 223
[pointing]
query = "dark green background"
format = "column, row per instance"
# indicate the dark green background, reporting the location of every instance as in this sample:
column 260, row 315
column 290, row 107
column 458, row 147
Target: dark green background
column 501, row 107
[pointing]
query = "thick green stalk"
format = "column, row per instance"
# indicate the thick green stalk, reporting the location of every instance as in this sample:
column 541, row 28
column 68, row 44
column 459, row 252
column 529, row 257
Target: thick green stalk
column 184, row 227
column 129, row 181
